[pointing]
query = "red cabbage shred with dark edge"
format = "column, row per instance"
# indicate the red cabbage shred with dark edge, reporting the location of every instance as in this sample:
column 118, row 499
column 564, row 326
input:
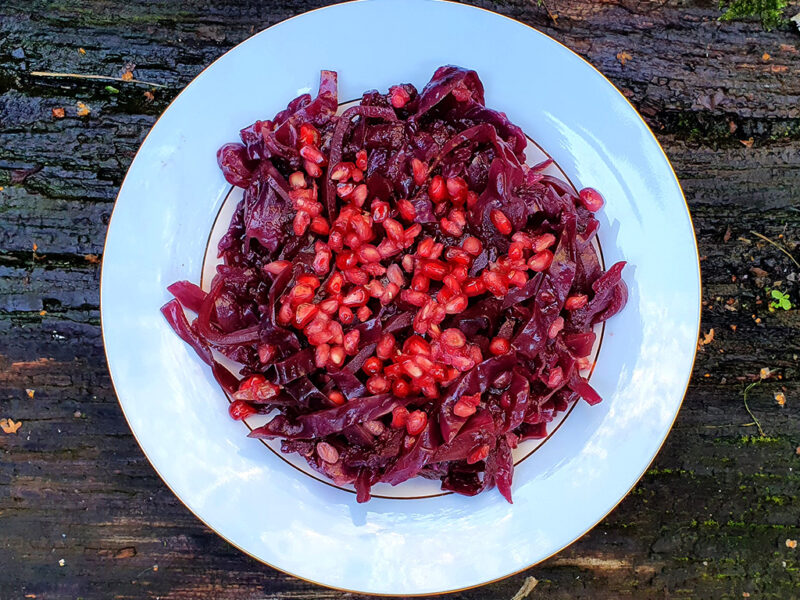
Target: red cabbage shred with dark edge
column 405, row 295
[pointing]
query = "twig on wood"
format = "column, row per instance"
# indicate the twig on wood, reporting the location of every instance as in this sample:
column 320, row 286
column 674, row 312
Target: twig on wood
column 778, row 246
column 97, row 77
column 553, row 17
column 747, row 408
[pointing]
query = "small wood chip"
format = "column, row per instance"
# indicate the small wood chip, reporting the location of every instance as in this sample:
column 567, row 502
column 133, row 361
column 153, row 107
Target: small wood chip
column 727, row 235
column 9, row 426
column 765, row 57
column 780, row 398
column 81, row 50
column 127, row 76
column 764, row 373
column 148, row 96
column 30, row 393
column 91, row 258
column 707, row 337
column 127, row 552
column 58, row 113
column 83, row 110
column 747, row 143
column 527, row 588
column 624, row 57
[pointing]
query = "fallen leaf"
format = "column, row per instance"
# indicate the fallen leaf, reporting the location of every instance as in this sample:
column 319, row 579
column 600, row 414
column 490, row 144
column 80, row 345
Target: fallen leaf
column 81, row 50
column 83, row 110
column 727, row 235
column 707, row 337
column 791, row 544
column 126, row 552
column 148, row 96
column 780, row 398
column 91, row 258
column 30, row 393
column 42, row 313
column 624, row 57
column 9, row 426
column 747, row 143
column 765, row 372
column 733, row 328
column 127, row 76
column 58, row 113
column 758, row 272
column 765, row 57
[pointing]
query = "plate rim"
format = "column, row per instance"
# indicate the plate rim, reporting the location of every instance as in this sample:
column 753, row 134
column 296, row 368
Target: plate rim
column 636, row 479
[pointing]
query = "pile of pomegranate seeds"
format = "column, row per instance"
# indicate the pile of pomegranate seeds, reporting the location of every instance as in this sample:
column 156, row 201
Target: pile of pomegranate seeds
column 405, row 295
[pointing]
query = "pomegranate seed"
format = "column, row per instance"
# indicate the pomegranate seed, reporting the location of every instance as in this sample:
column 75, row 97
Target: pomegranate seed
column 445, row 294
column 363, row 313
column 399, row 417
column 388, row 248
column 398, row 96
column 522, row 238
column 478, row 455
column 450, row 228
column 321, row 355
column 375, row 288
column 357, row 297
column 517, row 278
column 419, row 171
column 394, row 230
column 344, row 190
column 575, row 302
column 312, row 169
column 346, row 315
column 339, row 172
column 591, row 199
column 309, row 280
column 436, row 251
column 515, row 251
column 336, row 241
column 311, row 153
column 319, row 226
column 429, row 388
column 369, row 253
column 457, row 188
column 500, row 221
column 454, row 338
column 437, row 190
column 541, row 261
column 285, row 314
column 276, row 267
column 472, row 245
column 555, row 328
column 301, row 294
column 472, row 199
column 464, row 409
column 543, row 242
column 327, row 453
column 457, row 255
column 374, row 269
column 411, row 368
column 385, row 346
column 393, row 371
column 395, row 275
column 495, row 283
column 352, row 240
column 361, row 160
column 456, row 305
column 350, row 342
column 297, row 180
column 555, row 378
column 304, row 314
column 411, row 233
column 406, row 210
column 391, row 291
column 329, row 306
column 301, row 221
column 309, row 135
column 266, row 352
column 359, row 195
column 380, row 210
column 414, row 298
column 420, row 283
column 378, row 384
column 435, row 269
column 416, row 422
column 239, row 410
column 337, row 397
column 357, row 175
column 416, row 345
column 400, row 388
column 408, row 263
column 335, row 331
column 335, row 282
column 459, row 273
column 372, row 366
column 337, row 356
column 346, row 260
column 499, row 345
column 322, row 261
column 473, row 286
column 452, row 283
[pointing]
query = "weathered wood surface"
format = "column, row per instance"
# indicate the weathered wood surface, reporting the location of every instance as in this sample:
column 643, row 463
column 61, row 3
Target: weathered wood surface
column 709, row 520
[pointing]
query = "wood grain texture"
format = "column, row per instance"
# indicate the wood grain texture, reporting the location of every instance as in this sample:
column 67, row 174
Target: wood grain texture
column 709, row 519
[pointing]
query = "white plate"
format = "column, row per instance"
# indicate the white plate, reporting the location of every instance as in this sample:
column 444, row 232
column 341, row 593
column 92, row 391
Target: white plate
column 158, row 234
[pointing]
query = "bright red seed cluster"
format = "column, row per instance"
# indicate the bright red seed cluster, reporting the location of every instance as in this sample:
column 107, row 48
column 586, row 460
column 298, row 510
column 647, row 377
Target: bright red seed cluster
column 359, row 257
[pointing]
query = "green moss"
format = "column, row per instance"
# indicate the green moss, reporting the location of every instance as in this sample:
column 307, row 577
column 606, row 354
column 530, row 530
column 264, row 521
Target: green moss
column 770, row 12
column 754, row 440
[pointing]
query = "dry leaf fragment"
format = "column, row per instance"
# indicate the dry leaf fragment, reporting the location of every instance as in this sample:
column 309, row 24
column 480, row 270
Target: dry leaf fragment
column 623, row 57
column 9, row 426
column 765, row 57
column 707, row 337
column 791, row 544
column 727, row 235
column 780, row 398
column 788, row 48
column 81, row 50
column 764, row 373
column 91, row 258
column 83, row 110
column 127, row 76
column 30, row 393
column 126, row 552
column 148, row 96
column 747, row 143
column 58, row 113
column 42, row 313
column 778, row 68
column 733, row 127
